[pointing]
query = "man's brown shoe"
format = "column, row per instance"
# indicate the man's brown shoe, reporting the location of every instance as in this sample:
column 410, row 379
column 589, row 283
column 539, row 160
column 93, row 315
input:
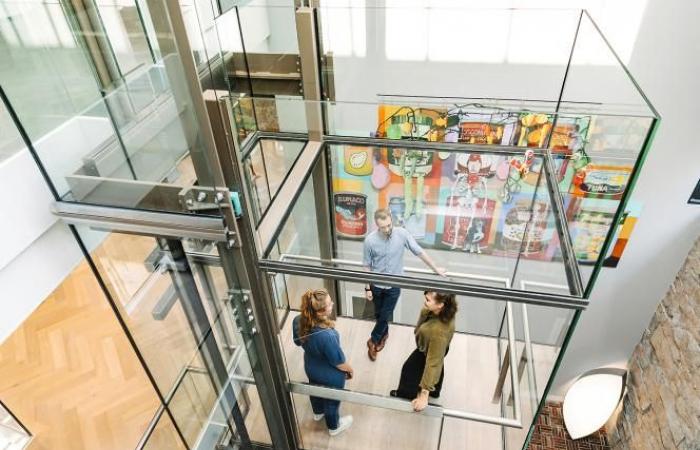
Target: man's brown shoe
column 371, row 350
column 382, row 342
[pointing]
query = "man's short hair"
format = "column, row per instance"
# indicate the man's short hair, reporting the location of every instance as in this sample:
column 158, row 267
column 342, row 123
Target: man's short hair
column 382, row 213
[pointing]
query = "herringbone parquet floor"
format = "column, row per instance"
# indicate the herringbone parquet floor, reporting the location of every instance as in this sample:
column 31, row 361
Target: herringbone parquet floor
column 69, row 373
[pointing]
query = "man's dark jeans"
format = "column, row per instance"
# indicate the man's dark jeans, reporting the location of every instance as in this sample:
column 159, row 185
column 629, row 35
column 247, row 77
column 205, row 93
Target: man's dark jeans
column 384, row 303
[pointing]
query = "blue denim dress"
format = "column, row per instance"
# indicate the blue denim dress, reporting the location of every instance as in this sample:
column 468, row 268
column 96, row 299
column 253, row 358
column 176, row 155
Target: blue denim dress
column 322, row 353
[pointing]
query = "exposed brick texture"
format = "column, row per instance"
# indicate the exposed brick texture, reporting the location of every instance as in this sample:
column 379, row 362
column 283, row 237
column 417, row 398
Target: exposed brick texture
column 550, row 433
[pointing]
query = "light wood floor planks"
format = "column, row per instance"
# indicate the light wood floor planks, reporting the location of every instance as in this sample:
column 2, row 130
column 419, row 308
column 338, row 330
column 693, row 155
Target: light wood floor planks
column 69, row 373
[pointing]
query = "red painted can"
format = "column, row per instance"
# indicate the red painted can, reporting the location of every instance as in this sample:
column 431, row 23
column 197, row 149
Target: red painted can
column 350, row 214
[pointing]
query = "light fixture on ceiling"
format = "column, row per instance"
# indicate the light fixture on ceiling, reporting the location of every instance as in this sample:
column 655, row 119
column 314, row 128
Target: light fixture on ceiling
column 592, row 399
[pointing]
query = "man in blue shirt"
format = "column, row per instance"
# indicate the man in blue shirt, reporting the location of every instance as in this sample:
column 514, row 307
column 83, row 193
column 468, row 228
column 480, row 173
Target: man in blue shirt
column 383, row 252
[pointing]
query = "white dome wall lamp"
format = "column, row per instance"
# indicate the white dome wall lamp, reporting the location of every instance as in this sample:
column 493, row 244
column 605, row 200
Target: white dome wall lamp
column 592, row 399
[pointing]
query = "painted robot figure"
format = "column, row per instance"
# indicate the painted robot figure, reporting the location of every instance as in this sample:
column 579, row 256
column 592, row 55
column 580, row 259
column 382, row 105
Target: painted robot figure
column 468, row 187
column 415, row 164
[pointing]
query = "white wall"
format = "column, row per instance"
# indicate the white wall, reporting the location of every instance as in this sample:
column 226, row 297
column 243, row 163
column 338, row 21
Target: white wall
column 37, row 252
column 665, row 63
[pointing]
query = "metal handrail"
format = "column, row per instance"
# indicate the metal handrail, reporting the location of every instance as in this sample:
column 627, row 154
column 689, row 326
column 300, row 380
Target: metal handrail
column 525, row 283
column 530, row 355
column 140, row 221
column 349, row 262
column 513, row 371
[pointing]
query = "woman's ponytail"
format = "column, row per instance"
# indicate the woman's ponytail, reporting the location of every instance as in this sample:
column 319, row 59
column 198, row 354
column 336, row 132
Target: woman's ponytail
column 311, row 303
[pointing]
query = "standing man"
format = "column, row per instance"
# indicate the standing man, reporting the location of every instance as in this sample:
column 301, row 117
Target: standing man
column 383, row 253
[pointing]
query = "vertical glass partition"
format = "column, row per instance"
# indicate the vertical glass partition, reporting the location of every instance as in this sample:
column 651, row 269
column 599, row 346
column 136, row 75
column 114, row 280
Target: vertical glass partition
column 126, row 32
column 137, row 146
column 43, row 70
column 176, row 304
column 408, row 48
column 605, row 148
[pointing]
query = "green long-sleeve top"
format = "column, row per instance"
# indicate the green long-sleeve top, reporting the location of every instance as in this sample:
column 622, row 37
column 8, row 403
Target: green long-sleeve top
column 433, row 336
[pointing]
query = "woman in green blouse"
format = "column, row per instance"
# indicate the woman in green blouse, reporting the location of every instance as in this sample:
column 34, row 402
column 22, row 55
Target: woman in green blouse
column 423, row 371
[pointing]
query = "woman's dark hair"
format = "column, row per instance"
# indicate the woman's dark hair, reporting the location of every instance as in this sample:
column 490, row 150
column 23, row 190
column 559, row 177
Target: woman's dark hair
column 449, row 305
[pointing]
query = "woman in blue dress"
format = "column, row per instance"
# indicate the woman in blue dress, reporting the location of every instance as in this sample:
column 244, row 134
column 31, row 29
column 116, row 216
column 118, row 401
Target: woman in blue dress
column 324, row 361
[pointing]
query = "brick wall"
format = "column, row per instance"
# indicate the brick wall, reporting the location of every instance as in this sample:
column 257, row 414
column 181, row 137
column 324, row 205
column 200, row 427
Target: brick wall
column 550, row 433
column 662, row 407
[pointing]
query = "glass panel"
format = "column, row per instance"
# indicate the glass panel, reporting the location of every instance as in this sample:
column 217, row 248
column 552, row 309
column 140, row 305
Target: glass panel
column 257, row 182
column 139, row 278
column 539, row 333
column 199, row 21
column 280, row 294
column 192, row 401
column 297, row 285
column 175, row 301
column 300, row 234
column 476, row 354
column 10, row 139
column 138, row 146
column 266, row 167
column 279, row 114
column 482, row 121
column 594, row 64
column 164, row 436
column 540, row 266
column 452, row 203
column 122, row 23
column 43, row 70
column 412, row 48
column 269, row 37
column 600, row 166
column 212, row 283
column 615, row 124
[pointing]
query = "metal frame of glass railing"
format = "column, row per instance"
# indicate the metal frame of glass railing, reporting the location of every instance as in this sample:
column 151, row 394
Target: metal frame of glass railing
column 348, row 262
column 495, row 293
column 271, row 225
column 400, row 405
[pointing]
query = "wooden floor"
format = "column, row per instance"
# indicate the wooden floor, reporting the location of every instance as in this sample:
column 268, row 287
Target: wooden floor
column 70, row 376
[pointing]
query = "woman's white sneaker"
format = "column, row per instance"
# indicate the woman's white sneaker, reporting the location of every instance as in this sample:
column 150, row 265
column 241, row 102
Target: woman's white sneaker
column 318, row 417
column 343, row 424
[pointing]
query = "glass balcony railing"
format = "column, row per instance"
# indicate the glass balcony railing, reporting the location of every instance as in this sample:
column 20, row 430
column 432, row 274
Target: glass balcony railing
column 471, row 153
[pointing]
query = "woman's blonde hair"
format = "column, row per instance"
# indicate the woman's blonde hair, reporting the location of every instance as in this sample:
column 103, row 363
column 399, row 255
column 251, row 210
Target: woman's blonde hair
column 313, row 302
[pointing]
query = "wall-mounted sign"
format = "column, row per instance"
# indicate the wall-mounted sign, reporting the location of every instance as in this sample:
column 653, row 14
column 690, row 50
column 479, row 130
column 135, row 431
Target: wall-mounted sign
column 695, row 196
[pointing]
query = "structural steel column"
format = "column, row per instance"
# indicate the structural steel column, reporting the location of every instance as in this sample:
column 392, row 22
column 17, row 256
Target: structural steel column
column 311, row 82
